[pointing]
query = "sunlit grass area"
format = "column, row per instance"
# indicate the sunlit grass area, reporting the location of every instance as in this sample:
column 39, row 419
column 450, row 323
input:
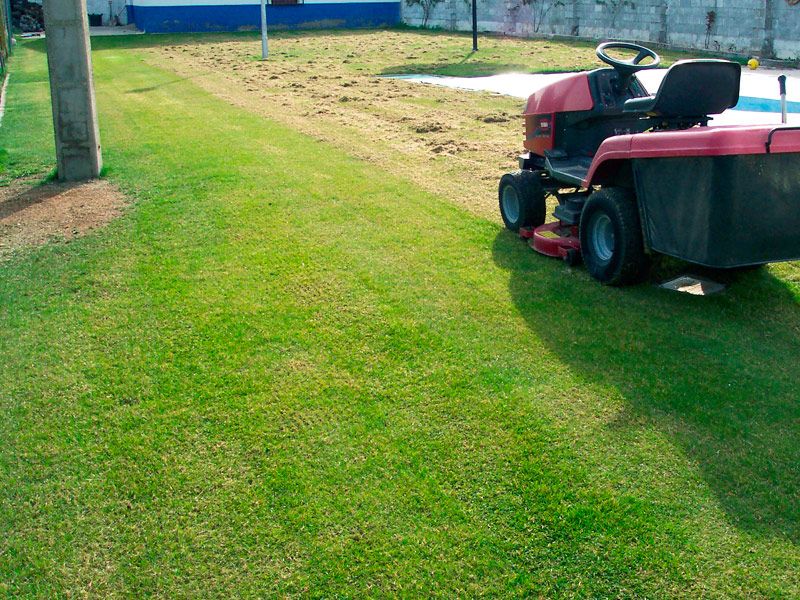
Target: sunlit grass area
column 287, row 370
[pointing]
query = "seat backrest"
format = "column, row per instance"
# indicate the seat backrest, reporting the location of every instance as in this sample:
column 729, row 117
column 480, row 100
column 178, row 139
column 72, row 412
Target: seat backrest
column 698, row 87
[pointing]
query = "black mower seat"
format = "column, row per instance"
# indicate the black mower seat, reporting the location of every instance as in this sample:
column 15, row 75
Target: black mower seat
column 692, row 88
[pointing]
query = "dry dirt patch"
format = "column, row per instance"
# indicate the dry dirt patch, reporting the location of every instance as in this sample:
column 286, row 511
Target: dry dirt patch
column 30, row 215
column 453, row 143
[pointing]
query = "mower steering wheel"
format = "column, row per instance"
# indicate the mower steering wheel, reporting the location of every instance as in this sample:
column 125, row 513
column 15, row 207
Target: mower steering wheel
column 626, row 68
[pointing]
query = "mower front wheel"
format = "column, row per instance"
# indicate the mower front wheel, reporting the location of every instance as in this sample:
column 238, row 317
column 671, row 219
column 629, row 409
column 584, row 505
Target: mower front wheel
column 522, row 200
column 611, row 237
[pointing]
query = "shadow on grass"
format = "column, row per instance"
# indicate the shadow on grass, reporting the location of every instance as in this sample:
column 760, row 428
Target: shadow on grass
column 151, row 88
column 717, row 375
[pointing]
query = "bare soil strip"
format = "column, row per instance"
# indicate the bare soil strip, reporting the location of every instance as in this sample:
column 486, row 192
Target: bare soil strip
column 31, row 215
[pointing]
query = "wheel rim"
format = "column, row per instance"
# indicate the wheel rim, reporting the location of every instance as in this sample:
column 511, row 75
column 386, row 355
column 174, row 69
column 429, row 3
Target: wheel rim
column 602, row 237
column 510, row 204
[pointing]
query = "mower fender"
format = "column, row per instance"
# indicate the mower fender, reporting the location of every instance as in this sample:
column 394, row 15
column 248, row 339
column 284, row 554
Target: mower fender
column 613, row 155
column 616, row 172
column 736, row 140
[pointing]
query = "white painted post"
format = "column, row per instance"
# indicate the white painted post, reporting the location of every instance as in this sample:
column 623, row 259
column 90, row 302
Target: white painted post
column 264, row 44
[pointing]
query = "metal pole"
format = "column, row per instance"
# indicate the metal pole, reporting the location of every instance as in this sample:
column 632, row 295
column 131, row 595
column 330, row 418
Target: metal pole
column 264, row 43
column 474, row 25
column 782, row 83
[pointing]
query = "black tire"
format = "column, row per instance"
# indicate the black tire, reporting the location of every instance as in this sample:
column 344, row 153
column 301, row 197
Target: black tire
column 522, row 190
column 611, row 237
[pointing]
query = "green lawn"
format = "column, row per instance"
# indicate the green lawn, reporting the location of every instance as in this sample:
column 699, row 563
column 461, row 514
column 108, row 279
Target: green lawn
column 286, row 372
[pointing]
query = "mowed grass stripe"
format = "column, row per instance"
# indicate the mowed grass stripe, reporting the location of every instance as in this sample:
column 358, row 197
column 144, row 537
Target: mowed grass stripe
column 287, row 372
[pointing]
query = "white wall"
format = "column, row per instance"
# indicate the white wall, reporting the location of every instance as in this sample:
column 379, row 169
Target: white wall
column 101, row 7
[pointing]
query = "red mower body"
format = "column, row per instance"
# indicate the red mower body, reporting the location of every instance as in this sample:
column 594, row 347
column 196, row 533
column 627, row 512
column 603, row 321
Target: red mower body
column 721, row 197
column 727, row 140
column 568, row 95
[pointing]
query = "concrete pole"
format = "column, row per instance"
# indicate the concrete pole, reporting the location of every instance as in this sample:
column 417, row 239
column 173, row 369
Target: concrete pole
column 72, row 90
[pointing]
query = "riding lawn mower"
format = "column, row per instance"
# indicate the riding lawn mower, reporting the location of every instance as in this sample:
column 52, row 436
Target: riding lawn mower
column 637, row 175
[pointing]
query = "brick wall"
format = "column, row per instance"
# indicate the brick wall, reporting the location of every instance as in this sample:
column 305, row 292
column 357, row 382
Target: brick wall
column 764, row 27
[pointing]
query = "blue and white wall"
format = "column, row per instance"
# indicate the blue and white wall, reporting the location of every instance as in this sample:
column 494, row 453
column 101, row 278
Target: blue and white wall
column 165, row 16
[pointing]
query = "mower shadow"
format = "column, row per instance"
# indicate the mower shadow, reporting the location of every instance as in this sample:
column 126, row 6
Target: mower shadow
column 716, row 375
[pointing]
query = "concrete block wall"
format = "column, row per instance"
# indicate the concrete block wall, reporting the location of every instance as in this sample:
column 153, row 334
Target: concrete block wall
column 738, row 26
column 764, row 27
column 786, row 30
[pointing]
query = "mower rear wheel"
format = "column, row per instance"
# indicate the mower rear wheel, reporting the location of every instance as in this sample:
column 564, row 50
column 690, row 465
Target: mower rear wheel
column 522, row 199
column 611, row 237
